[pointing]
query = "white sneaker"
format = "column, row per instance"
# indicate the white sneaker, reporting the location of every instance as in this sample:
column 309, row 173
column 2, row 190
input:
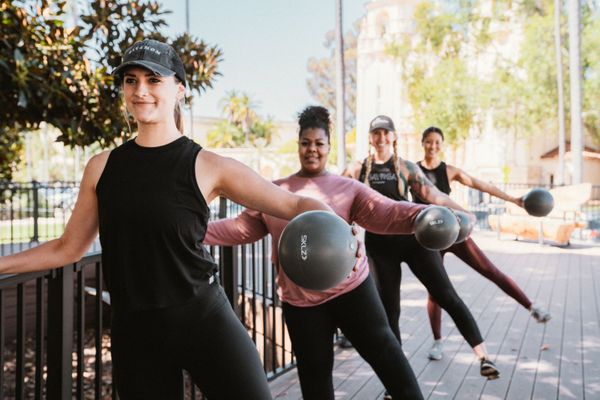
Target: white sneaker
column 436, row 351
column 540, row 314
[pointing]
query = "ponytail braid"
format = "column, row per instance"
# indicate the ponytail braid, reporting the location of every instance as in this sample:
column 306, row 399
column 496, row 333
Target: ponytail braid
column 401, row 187
column 370, row 160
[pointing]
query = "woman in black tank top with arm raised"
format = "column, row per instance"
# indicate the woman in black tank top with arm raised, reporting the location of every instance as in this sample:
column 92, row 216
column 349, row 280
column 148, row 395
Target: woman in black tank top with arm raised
column 393, row 176
column 441, row 175
column 148, row 199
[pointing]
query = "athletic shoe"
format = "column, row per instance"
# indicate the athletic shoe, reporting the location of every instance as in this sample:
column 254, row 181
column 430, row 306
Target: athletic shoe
column 387, row 396
column 436, row 351
column 540, row 314
column 488, row 369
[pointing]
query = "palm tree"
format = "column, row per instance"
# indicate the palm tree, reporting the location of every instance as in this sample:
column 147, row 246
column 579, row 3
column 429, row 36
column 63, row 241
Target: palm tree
column 239, row 111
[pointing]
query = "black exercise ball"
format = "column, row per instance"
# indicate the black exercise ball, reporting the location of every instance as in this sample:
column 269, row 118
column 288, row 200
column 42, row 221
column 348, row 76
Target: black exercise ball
column 465, row 224
column 538, row 202
column 317, row 250
column 436, row 228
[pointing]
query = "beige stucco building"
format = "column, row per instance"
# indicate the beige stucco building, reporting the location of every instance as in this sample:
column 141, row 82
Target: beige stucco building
column 489, row 153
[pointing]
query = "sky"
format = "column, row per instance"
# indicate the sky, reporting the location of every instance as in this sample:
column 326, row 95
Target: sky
column 266, row 45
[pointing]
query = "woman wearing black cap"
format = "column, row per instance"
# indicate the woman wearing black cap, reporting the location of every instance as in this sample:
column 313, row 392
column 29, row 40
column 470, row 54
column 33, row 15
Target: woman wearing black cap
column 148, row 199
column 442, row 174
column 393, row 176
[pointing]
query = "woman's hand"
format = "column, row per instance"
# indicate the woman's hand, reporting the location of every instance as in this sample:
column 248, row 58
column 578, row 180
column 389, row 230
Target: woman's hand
column 518, row 201
column 359, row 248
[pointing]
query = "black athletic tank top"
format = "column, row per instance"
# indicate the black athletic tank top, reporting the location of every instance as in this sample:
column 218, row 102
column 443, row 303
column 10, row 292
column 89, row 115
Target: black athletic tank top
column 153, row 219
column 438, row 176
column 383, row 179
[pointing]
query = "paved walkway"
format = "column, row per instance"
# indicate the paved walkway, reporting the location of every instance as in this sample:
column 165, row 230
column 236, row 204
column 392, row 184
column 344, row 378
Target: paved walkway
column 559, row 360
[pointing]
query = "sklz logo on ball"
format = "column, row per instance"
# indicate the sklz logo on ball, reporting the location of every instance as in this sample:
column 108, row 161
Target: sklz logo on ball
column 304, row 247
column 436, row 222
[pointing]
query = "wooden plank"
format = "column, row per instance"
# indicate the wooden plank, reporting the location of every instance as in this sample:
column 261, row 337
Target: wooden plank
column 373, row 389
column 534, row 358
column 590, row 314
column 547, row 362
column 506, row 358
column 571, row 370
column 499, row 312
column 445, row 375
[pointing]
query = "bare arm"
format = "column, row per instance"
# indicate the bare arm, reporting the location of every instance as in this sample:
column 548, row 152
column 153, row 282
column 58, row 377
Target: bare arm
column 426, row 190
column 235, row 181
column 248, row 227
column 461, row 176
column 380, row 214
column 80, row 232
column 352, row 170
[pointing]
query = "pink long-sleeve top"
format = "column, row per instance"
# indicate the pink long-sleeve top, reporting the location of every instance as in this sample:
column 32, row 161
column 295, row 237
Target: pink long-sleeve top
column 349, row 198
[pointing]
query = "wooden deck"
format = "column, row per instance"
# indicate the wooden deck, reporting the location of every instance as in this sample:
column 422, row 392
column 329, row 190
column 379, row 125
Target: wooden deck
column 557, row 360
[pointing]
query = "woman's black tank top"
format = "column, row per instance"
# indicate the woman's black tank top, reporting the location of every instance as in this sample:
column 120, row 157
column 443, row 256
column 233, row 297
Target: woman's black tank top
column 152, row 219
column 383, row 178
column 438, row 176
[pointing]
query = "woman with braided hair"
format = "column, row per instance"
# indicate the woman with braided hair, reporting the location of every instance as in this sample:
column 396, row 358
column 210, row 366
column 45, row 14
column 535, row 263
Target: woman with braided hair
column 393, row 176
column 442, row 174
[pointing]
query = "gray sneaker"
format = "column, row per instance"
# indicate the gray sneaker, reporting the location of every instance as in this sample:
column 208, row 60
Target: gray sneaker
column 540, row 314
column 436, row 351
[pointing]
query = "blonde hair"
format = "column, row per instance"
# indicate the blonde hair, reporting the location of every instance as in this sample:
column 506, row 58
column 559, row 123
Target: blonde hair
column 371, row 160
column 178, row 117
column 178, row 114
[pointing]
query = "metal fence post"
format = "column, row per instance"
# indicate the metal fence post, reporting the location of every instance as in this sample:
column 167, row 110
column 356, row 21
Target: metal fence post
column 60, row 333
column 229, row 275
column 36, row 209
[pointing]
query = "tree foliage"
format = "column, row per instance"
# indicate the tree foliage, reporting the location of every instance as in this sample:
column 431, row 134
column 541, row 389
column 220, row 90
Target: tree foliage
column 59, row 75
column 444, row 87
column 321, row 82
column 528, row 101
column 441, row 88
column 242, row 125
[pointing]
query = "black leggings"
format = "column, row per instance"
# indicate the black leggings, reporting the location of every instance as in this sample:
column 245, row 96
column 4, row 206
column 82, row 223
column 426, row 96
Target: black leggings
column 386, row 252
column 360, row 315
column 151, row 348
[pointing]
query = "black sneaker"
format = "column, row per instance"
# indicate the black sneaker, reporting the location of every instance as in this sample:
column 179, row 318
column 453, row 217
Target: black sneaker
column 387, row 396
column 488, row 369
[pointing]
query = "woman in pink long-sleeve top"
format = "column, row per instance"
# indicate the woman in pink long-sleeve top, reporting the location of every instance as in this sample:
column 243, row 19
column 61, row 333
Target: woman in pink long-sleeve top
column 354, row 306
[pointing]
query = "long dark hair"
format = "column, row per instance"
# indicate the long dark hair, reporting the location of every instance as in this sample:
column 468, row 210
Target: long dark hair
column 314, row 117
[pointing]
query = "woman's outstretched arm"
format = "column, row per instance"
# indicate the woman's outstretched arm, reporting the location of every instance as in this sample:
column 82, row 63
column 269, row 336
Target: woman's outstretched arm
column 457, row 174
column 80, row 232
column 223, row 176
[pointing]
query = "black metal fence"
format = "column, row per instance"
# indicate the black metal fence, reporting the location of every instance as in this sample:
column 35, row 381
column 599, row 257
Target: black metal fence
column 54, row 337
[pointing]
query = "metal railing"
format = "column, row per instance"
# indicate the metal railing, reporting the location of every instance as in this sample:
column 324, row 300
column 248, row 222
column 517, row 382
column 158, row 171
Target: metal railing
column 54, row 336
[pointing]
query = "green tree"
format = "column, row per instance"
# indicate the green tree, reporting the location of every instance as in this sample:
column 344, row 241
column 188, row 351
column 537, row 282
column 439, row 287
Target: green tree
column 225, row 134
column 321, row 81
column 239, row 110
column 440, row 87
column 525, row 97
column 50, row 73
column 242, row 125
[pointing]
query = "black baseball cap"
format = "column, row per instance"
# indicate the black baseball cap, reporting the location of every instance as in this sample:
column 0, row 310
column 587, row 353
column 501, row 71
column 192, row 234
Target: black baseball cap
column 158, row 57
column 382, row 122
